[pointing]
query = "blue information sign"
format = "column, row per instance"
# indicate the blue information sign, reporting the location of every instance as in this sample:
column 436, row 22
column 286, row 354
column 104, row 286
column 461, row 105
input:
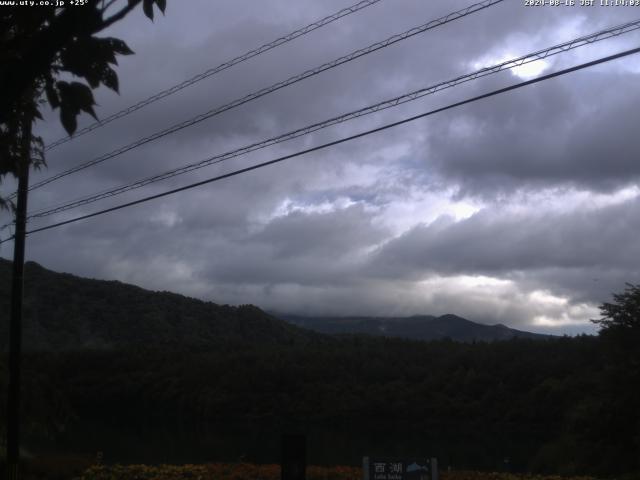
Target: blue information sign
column 400, row 469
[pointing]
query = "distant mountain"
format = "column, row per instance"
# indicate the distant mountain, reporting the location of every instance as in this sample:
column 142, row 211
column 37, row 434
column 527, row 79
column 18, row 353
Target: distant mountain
column 420, row 327
column 66, row 312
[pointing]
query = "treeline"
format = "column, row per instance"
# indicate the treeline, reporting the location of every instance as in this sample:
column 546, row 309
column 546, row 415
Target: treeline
column 561, row 405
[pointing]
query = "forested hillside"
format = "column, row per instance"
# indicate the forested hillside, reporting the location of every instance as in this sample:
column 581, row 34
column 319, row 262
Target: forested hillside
column 221, row 383
column 66, row 312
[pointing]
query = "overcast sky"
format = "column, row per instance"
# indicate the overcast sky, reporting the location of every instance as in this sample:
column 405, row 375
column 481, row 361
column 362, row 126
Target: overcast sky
column 521, row 209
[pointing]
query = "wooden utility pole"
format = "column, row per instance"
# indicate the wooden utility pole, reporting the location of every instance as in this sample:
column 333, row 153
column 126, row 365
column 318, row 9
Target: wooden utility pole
column 15, row 323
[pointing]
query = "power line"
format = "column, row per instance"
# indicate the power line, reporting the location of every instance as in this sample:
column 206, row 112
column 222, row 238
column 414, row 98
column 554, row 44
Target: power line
column 405, row 98
column 212, row 71
column 342, row 140
column 277, row 86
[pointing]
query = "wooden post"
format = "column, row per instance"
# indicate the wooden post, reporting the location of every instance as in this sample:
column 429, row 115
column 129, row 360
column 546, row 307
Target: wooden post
column 15, row 322
column 294, row 457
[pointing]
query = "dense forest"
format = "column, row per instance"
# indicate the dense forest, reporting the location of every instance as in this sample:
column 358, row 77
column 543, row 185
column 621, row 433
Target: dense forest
column 551, row 406
column 557, row 405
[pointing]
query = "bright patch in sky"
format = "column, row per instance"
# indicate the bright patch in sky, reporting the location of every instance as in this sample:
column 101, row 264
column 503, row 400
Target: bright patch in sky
column 530, row 70
column 569, row 200
column 479, row 281
column 559, row 312
column 524, row 71
column 423, row 207
column 289, row 206
column 166, row 218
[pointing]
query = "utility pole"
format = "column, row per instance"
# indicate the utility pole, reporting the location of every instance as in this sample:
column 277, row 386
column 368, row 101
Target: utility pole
column 15, row 323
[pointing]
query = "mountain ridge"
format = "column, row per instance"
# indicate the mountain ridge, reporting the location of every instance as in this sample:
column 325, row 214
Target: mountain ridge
column 66, row 312
column 415, row 327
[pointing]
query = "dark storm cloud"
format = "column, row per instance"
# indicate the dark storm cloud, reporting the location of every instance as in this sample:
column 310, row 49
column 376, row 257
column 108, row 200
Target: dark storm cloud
column 316, row 248
column 580, row 131
column 340, row 232
column 299, row 236
column 304, row 248
column 500, row 243
column 333, row 92
column 589, row 284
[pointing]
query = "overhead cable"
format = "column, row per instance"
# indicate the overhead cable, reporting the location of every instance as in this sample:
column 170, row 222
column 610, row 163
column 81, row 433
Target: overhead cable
column 276, row 86
column 342, row 140
column 407, row 97
column 212, row 71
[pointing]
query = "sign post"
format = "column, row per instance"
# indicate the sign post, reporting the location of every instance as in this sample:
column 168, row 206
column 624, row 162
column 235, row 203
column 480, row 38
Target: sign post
column 294, row 457
column 399, row 468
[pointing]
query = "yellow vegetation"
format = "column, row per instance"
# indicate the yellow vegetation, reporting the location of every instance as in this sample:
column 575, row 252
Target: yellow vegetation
column 248, row 471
